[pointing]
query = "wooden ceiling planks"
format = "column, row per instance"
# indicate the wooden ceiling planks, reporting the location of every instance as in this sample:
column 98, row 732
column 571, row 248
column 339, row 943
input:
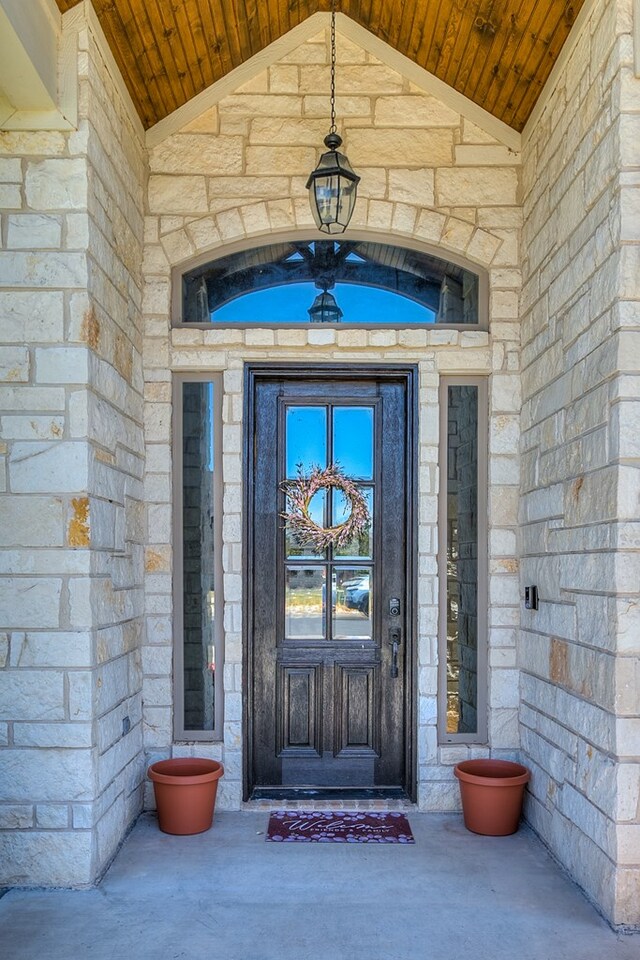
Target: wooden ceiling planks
column 540, row 62
column 490, row 74
column 498, row 53
column 124, row 42
column 456, row 58
column 220, row 62
column 228, row 31
column 172, row 74
column 495, row 63
column 405, row 23
column 470, row 64
column 388, row 21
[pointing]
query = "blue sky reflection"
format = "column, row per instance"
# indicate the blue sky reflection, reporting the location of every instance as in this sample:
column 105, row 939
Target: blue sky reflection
column 289, row 303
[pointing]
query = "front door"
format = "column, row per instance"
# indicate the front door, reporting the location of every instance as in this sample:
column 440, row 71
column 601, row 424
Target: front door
column 329, row 704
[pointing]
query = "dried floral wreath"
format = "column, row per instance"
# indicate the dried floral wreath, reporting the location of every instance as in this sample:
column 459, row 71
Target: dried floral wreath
column 299, row 495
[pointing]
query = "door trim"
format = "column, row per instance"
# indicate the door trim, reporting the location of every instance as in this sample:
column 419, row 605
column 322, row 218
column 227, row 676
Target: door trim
column 408, row 375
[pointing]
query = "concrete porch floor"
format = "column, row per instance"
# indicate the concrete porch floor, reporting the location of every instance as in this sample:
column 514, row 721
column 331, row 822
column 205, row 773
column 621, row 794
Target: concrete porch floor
column 228, row 895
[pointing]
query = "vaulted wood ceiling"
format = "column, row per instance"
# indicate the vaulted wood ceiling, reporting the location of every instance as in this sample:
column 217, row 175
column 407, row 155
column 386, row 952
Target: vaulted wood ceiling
column 498, row 53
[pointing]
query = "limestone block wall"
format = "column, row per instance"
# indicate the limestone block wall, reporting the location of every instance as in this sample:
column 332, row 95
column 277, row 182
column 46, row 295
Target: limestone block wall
column 237, row 174
column 580, row 710
column 71, row 485
column 48, row 754
column 117, row 167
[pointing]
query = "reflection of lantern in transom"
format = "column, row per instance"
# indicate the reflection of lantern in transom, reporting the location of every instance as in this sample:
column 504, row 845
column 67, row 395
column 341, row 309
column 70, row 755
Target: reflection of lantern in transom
column 324, row 309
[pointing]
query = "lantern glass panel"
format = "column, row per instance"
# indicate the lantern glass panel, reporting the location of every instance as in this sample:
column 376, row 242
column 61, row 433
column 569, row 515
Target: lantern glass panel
column 326, row 192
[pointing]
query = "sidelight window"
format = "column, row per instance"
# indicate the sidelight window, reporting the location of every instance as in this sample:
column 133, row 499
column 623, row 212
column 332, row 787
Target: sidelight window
column 197, row 559
column 462, row 564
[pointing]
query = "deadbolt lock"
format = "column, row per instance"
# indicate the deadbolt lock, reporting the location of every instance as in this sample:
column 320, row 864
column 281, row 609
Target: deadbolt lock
column 394, row 607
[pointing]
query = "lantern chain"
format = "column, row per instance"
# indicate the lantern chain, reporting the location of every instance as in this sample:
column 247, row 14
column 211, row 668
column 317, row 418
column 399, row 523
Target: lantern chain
column 333, row 66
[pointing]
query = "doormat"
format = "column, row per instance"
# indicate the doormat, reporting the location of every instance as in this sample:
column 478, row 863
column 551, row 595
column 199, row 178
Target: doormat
column 327, row 827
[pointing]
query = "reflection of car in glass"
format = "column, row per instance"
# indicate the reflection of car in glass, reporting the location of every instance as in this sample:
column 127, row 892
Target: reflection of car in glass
column 356, row 594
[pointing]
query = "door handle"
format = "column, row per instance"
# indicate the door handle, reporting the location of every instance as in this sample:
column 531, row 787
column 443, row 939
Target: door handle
column 395, row 639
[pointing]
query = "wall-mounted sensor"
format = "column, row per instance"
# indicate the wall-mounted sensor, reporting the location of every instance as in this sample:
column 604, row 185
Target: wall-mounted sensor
column 531, row 598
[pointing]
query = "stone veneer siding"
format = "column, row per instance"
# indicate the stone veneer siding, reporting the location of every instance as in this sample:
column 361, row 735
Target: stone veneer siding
column 237, row 174
column 579, row 653
column 71, row 521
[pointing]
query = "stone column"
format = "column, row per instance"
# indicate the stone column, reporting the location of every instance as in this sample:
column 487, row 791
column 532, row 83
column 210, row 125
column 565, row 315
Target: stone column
column 579, row 653
column 71, row 487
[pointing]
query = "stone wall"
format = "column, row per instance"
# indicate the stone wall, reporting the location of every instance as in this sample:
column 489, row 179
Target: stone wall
column 429, row 177
column 71, row 482
column 580, row 709
column 117, row 175
column 81, row 648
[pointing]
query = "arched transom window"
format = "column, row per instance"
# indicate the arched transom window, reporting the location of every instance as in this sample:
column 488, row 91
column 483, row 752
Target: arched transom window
column 331, row 281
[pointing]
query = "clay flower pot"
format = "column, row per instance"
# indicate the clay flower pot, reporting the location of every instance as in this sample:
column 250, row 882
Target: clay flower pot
column 185, row 790
column 492, row 793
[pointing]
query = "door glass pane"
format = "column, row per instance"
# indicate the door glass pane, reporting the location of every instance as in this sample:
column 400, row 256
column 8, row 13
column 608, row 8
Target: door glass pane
column 352, row 603
column 305, row 600
column 317, row 512
column 199, row 556
column 360, row 546
column 306, row 438
column 353, row 441
column 462, row 560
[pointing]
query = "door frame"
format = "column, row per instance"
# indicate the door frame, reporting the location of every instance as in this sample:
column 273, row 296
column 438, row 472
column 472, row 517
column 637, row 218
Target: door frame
column 408, row 375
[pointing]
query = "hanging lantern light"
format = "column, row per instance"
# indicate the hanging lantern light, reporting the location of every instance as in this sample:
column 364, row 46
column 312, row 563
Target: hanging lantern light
column 325, row 309
column 333, row 185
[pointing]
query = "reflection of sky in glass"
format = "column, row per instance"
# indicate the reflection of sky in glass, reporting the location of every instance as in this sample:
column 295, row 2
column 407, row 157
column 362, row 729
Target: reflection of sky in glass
column 289, row 304
column 306, row 438
column 353, row 440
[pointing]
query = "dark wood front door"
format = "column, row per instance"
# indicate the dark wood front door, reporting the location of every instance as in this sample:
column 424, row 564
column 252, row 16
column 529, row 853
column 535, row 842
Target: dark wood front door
column 329, row 705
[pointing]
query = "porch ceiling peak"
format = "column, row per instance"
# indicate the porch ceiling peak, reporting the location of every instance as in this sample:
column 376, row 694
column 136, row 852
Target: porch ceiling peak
column 497, row 55
column 361, row 37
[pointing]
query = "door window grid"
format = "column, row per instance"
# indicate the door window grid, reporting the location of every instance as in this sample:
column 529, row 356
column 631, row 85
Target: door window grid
column 349, row 613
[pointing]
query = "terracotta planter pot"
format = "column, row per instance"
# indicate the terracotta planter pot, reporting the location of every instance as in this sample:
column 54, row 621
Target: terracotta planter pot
column 185, row 790
column 492, row 792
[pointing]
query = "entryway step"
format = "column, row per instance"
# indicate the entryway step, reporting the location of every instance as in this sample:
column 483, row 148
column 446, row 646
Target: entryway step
column 272, row 804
